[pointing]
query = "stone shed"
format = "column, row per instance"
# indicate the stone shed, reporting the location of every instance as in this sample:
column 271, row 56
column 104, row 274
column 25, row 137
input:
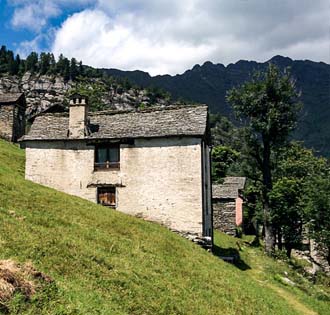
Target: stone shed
column 227, row 203
column 12, row 116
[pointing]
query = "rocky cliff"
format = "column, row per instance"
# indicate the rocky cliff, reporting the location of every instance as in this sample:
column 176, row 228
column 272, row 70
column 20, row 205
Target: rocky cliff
column 44, row 91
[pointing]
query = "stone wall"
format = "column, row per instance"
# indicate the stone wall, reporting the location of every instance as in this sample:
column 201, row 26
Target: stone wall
column 224, row 215
column 6, row 122
column 159, row 179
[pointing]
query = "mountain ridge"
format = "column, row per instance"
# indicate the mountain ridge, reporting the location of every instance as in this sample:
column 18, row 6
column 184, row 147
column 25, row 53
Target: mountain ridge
column 209, row 82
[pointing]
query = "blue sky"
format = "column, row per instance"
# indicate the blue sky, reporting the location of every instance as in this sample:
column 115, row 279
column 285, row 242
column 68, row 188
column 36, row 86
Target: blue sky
column 167, row 36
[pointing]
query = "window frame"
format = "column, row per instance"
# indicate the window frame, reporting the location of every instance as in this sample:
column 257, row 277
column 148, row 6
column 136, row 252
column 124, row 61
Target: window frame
column 106, row 166
column 110, row 190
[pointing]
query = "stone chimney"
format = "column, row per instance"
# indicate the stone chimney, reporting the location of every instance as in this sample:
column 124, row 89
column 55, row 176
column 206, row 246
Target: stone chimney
column 78, row 116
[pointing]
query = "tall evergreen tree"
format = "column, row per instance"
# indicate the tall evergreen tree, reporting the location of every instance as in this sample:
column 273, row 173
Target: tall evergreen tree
column 80, row 69
column 44, row 63
column 31, row 63
column 73, row 69
column 52, row 64
column 66, row 69
column 3, row 59
column 11, row 66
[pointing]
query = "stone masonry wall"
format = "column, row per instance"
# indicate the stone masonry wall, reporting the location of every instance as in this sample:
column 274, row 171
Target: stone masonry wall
column 224, row 215
column 6, row 122
column 159, row 179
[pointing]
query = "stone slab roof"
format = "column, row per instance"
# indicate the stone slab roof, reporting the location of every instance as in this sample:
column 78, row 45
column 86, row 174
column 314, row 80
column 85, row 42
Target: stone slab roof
column 9, row 98
column 230, row 189
column 239, row 182
column 223, row 192
column 152, row 122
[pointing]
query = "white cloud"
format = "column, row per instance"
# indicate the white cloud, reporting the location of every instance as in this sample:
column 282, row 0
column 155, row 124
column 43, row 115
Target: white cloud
column 34, row 15
column 101, row 41
column 169, row 36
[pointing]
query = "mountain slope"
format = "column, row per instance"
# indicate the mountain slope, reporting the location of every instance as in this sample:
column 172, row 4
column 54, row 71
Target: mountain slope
column 105, row 262
column 210, row 82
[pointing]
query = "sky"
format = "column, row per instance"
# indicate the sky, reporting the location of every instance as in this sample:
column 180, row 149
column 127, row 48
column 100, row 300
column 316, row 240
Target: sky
column 167, row 36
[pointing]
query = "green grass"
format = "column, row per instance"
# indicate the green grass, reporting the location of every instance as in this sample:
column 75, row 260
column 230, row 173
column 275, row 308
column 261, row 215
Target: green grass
column 304, row 295
column 105, row 262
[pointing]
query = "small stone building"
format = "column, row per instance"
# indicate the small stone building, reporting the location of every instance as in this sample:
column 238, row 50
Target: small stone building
column 152, row 163
column 227, row 203
column 12, row 116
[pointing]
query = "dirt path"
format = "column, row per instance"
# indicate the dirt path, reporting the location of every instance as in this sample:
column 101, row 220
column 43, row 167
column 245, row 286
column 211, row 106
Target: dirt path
column 301, row 308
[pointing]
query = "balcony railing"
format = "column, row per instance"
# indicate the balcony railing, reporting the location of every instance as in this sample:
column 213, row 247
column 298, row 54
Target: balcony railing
column 107, row 166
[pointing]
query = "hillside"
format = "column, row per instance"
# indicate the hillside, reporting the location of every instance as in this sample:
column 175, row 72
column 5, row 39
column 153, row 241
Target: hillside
column 43, row 91
column 208, row 84
column 104, row 262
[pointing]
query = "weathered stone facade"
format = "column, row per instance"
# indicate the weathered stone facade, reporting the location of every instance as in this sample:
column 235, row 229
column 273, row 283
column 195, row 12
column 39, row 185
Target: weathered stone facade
column 12, row 117
column 159, row 179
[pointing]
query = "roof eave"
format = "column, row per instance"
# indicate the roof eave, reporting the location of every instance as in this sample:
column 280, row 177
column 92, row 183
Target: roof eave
column 25, row 138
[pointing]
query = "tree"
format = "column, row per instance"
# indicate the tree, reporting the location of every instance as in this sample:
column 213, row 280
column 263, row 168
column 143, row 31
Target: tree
column 318, row 211
column 268, row 107
column 44, row 62
column 73, row 69
column 93, row 90
column 52, row 64
column 297, row 167
column 80, row 69
column 66, row 69
column 11, row 64
column 223, row 132
column 222, row 158
column 63, row 67
column 31, row 63
column 3, row 59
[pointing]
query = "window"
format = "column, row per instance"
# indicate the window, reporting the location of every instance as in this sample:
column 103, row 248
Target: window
column 107, row 157
column 106, row 196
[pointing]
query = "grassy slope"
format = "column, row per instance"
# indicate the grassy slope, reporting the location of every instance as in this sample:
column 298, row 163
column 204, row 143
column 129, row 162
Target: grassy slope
column 105, row 262
column 303, row 296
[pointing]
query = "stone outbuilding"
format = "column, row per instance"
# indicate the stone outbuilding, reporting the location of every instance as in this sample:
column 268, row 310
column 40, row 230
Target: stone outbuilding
column 12, row 116
column 227, row 203
column 152, row 163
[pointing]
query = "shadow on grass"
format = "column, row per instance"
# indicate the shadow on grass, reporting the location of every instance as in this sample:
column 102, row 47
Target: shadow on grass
column 230, row 255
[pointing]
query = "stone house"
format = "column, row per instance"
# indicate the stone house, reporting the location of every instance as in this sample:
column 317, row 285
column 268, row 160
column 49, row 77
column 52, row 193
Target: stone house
column 152, row 163
column 227, row 203
column 12, row 116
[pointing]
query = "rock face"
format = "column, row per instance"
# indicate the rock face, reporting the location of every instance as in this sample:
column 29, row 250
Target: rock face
column 41, row 92
column 44, row 91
